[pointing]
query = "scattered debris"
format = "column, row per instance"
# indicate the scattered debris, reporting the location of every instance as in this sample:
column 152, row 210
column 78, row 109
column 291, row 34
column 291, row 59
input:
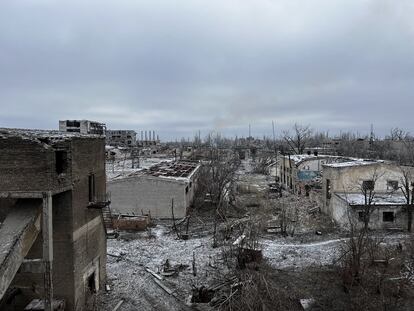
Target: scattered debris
column 118, row 305
column 307, row 304
column 38, row 305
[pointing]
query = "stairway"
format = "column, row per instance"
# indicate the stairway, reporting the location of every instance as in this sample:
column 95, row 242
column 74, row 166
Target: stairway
column 107, row 221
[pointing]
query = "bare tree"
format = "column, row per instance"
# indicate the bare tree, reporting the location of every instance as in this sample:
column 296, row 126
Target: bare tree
column 298, row 141
column 407, row 190
column 216, row 177
column 398, row 134
column 367, row 188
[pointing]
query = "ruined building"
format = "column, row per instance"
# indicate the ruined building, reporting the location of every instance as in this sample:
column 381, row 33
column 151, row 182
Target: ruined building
column 349, row 187
column 298, row 172
column 52, row 237
column 82, row 127
column 122, row 138
column 151, row 191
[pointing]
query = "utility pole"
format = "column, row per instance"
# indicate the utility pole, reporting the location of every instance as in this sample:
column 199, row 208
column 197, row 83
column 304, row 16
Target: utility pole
column 274, row 148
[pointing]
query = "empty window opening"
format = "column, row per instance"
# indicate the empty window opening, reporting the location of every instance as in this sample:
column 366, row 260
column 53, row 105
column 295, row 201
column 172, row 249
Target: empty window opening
column 61, row 161
column 73, row 130
column 92, row 188
column 361, row 216
column 186, row 189
column 368, row 185
column 392, row 184
column 91, row 283
column 388, row 216
column 73, row 123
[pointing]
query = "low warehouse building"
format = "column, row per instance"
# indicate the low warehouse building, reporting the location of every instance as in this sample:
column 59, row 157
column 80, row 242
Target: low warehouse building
column 152, row 191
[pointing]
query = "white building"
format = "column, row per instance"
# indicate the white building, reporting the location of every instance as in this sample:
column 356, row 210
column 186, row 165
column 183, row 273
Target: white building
column 153, row 190
column 297, row 170
column 343, row 187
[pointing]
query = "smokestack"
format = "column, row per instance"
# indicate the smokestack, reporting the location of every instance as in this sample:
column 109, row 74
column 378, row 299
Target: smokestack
column 153, row 135
column 149, row 135
column 146, row 137
column 142, row 135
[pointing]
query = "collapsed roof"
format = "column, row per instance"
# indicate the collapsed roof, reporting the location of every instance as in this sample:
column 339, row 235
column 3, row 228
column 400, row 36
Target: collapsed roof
column 47, row 137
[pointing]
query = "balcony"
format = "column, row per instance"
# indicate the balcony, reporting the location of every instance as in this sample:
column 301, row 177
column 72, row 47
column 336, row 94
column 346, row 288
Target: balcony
column 100, row 201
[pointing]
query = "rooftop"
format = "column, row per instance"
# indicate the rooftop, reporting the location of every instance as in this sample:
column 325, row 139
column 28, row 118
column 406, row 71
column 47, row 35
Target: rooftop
column 179, row 170
column 354, row 162
column 43, row 136
column 379, row 199
column 300, row 158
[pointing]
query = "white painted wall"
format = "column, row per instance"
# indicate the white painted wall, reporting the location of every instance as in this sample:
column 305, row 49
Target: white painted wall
column 147, row 193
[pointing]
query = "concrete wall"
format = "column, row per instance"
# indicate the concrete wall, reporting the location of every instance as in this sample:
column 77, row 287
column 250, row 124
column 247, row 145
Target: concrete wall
column 349, row 179
column 147, row 193
column 88, row 238
column 340, row 212
column 28, row 165
column 343, row 214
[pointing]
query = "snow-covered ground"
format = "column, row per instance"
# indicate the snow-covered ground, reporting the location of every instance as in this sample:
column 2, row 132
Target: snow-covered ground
column 131, row 282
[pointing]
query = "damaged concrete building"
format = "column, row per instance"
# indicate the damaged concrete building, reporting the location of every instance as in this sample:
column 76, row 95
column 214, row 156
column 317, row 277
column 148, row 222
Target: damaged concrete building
column 346, row 191
column 82, row 127
column 121, row 138
column 151, row 191
column 52, row 237
column 298, row 172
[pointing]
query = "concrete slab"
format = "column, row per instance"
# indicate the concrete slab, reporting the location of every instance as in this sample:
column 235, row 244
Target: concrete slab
column 17, row 235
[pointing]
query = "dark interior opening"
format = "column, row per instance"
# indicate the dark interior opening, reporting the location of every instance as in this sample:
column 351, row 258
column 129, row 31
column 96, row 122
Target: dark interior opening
column 91, row 283
column 92, row 188
column 368, row 185
column 388, row 216
column 61, row 159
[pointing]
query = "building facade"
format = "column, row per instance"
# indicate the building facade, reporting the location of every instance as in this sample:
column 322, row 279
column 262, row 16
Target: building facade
column 349, row 187
column 155, row 190
column 63, row 257
column 121, row 138
column 297, row 171
column 82, row 127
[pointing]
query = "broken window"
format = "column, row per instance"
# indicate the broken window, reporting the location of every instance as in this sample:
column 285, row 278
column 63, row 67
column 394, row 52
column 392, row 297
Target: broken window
column 361, row 216
column 388, row 216
column 392, row 184
column 186, row 189
column 72, row 123
column 92, row 188
column 368, row 185
column 61, row 161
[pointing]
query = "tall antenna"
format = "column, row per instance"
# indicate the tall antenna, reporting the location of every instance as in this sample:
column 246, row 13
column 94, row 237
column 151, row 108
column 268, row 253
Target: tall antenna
column 250, row 131
column 372, row 136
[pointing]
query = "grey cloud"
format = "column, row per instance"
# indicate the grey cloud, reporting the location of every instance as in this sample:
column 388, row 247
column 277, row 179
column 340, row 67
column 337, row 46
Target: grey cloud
column 179, row 67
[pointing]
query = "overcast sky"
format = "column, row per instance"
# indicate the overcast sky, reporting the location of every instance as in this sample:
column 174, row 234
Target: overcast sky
column 216, row 65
